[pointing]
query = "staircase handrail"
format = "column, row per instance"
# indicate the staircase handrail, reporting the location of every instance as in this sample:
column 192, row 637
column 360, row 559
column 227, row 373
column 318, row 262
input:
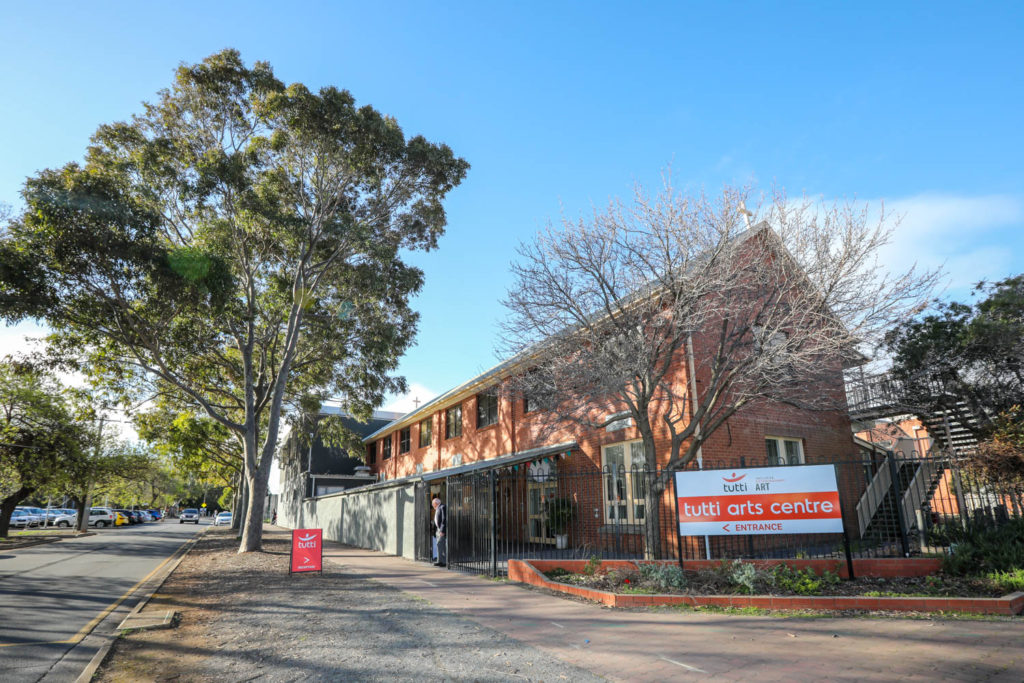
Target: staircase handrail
column 873, row 497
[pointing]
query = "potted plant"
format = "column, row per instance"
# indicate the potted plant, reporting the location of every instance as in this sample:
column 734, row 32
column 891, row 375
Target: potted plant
column 561, row 513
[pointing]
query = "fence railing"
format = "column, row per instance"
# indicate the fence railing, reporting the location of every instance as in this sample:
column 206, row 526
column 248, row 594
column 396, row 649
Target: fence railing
column 893, row 506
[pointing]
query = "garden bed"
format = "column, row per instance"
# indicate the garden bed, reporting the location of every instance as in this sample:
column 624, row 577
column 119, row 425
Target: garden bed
column 779, row 586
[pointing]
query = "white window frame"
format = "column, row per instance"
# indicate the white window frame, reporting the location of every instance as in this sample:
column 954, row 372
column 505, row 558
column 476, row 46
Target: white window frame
column 630, row 508
column 780, row 449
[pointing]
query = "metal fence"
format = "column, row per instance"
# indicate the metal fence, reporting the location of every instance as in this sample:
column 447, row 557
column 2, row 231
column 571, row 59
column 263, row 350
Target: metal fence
column 893, row 506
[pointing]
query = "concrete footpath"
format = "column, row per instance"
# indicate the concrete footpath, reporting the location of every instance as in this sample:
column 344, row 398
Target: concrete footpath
column 659, row 645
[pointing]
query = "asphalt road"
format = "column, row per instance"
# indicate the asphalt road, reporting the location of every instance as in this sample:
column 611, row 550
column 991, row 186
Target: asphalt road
column 51, row 594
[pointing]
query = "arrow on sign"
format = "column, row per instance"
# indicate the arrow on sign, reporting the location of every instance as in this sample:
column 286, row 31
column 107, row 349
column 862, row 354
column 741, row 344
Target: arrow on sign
column 305, row 559
column 725, row 526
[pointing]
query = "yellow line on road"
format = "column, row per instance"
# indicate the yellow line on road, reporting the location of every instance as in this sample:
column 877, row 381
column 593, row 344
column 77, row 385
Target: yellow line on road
column 84, row 631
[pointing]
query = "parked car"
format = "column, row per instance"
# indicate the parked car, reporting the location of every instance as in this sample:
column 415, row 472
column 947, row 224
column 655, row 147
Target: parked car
column 189, row 515
column 222, row 518
column 132, row 519
column 61, row 518
column 20, row 519
column 34, row 518
column 156, row 515
column 146, row 517
column 121, row 519
column 101, row 517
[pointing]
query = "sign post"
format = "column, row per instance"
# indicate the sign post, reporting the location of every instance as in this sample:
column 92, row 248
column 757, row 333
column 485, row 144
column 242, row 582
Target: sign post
column 760, row 500
column 307, row 551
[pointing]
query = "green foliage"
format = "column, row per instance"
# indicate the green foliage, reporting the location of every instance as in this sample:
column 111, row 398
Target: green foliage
column 205, row 248
column 39, row 433
column 805, row 581
column 557, row 573
column 1010, row 581
column 663, row 576
column 593, row 566
column 945, row 532
column 746, row 576
column 561, row 512
column 981, row 549
column 974, row 352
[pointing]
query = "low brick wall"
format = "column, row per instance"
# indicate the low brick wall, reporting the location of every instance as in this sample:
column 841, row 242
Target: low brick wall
column 529, row 572
column 866, row 567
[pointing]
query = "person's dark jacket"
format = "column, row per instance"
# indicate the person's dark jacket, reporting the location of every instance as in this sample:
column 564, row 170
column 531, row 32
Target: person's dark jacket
column 441, row 519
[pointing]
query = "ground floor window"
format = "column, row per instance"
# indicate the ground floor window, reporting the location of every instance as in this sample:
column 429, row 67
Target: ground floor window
column 783, row 451
column 624, row 485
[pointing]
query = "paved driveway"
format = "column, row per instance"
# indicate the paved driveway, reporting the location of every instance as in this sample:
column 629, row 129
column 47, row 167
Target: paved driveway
column 665, row 645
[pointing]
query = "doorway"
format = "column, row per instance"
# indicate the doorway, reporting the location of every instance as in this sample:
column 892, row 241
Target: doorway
column 538, row 494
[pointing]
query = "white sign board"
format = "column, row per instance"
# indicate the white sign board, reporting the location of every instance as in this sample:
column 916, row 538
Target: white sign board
column 762, row 500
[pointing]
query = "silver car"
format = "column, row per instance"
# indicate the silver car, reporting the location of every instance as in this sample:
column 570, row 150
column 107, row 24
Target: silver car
column 33, row 517
column 19, row 519
column 189, row 515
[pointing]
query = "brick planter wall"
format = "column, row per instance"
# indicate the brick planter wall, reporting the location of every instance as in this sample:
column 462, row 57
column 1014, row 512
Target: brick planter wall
column 862, row 568
column 529, row 572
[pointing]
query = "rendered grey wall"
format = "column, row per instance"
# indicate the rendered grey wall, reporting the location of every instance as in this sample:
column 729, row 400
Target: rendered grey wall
column 380, row 518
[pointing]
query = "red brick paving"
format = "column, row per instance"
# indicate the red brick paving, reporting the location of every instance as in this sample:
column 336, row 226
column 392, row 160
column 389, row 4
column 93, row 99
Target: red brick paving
column 660, row 645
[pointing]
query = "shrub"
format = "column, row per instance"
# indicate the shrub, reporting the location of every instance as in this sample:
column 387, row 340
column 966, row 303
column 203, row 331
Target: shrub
column 803, row 581
column 592, row 566
column 663, row 576
column 981, row 549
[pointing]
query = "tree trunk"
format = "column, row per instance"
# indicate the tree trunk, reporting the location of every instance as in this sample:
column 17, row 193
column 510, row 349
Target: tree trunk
column 237, row 502
column 652, row 496
column 7, row 506
column 243, row 508
column 82, row 519
column 252, row 529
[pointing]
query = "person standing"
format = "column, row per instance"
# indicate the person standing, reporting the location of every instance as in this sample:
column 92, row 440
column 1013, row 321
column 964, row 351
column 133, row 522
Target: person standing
column 441, row 524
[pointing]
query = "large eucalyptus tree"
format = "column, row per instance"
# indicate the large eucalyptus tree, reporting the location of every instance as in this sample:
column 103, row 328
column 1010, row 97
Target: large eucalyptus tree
column 238, row 243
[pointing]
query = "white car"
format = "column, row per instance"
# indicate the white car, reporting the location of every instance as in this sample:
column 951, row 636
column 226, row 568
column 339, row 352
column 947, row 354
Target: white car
column 101, row 517
column 222, row 518
column 62, row 518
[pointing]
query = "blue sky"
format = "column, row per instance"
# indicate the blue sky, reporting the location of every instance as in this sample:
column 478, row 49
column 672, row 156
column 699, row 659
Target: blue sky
column 559, row 107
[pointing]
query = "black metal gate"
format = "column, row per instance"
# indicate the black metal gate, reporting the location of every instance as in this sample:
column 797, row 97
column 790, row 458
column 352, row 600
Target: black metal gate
column 471, row 523
column 423, row 513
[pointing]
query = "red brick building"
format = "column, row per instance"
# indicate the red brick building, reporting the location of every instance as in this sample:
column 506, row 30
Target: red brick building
column 476, row 427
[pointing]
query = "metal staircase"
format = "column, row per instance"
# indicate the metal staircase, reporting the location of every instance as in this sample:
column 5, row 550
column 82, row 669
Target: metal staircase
column 892, row 505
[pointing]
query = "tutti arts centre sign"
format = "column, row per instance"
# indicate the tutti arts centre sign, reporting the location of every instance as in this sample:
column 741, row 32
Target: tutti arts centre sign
column 762, row 500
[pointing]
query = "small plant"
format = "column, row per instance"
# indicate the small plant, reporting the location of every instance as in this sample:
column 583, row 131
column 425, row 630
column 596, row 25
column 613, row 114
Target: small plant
column 744, row 575
column 557, row 573
column 592, row 566
column 561, row 513
column 624, row 579
column 663, row 576
column 1010, row 581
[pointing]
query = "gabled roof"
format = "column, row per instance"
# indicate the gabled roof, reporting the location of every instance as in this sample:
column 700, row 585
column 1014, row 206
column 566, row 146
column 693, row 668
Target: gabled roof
column 487, row 378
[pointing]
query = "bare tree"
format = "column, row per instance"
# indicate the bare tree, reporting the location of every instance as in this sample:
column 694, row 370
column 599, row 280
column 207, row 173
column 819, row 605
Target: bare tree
column 684, row 310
